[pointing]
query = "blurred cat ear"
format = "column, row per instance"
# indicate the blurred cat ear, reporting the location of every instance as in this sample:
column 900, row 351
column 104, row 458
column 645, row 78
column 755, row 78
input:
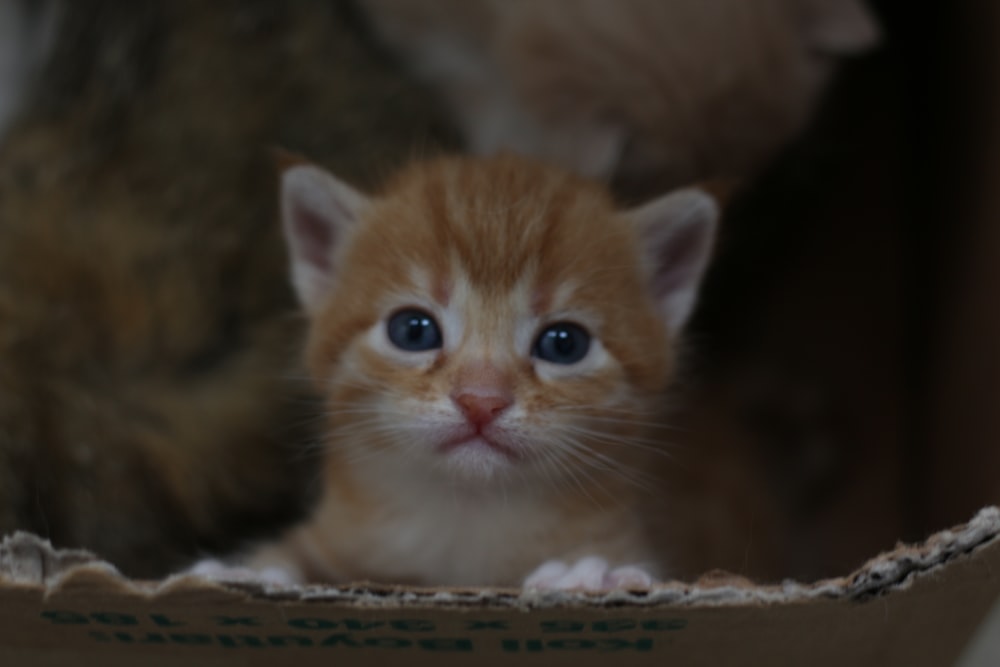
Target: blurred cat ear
column 593, row 149
column 840, row 27
column 317, row 211
column 676, row 234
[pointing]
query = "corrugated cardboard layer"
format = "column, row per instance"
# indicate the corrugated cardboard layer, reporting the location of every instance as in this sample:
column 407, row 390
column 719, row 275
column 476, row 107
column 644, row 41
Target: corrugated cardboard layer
column 917, row 605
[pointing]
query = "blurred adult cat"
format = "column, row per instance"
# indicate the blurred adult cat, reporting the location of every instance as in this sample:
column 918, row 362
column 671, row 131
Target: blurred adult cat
column 150, row 403
column 657, row 93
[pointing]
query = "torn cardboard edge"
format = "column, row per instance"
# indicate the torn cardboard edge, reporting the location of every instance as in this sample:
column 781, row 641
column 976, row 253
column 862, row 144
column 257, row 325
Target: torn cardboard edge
column 28, row 561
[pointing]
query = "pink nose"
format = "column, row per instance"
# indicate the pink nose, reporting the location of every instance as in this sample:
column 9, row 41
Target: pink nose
column 481, row 409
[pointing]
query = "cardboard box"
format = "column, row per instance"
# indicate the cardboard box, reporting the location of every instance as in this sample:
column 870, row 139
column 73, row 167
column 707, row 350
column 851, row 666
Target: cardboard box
column 915, row 606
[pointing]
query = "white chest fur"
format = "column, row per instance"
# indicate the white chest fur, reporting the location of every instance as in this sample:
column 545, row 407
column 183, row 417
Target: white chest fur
column 447, row 536
column 435, row 533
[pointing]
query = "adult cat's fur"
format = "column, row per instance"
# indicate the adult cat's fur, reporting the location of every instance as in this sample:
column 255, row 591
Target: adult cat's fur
column 477, row 459
column 147, row 406
column 659, row 93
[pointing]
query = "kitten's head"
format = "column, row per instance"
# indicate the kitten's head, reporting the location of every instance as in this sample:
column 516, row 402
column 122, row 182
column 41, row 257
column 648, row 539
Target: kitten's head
column 492, row 318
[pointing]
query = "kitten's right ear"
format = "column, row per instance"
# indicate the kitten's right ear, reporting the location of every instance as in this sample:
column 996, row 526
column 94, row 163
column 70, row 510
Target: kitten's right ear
column 317, row 211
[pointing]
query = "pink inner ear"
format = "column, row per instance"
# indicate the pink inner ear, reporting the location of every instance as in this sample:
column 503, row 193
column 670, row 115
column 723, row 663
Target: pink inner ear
column 313, row 235
column 678, row 260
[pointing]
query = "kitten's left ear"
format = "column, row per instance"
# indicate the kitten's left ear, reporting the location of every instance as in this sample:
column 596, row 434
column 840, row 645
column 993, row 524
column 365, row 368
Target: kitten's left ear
column 676, row 234
column 318, row 212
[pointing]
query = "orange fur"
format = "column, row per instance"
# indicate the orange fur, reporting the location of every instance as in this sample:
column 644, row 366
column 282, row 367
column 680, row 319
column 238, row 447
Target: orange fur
column 496, row 249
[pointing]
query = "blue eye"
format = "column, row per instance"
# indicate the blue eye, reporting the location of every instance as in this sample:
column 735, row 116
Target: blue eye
column 414, row 331
column 562, row 343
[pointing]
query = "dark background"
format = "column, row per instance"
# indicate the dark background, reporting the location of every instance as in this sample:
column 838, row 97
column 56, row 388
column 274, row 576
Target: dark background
column 850, row 326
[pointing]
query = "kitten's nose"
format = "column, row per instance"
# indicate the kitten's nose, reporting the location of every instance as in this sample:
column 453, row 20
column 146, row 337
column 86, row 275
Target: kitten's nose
column 481, row 409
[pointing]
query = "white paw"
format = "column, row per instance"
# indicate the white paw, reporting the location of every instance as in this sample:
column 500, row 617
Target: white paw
column 588, row 574
column 216, row 570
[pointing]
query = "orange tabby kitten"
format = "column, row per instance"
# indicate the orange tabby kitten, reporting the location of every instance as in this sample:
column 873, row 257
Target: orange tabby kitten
column 494, row 340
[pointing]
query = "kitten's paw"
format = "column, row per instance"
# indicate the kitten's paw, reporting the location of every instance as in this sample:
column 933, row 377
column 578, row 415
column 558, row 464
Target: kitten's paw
column 588, row 574
column 218, row 571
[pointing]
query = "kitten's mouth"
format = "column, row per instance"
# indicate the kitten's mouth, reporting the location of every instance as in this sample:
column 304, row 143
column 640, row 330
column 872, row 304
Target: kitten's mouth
column 479, row 441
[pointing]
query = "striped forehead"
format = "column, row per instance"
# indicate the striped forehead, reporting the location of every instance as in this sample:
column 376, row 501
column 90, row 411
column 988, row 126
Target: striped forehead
column 495, row 228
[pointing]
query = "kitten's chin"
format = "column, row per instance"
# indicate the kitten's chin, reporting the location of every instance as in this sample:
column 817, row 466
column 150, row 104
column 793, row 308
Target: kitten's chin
column 478, row 457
